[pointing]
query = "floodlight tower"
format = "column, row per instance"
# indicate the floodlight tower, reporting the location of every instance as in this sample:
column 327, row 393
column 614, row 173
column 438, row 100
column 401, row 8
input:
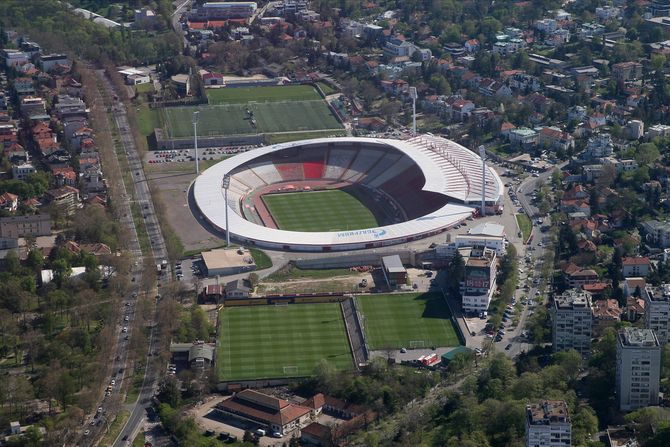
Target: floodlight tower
column 196, row 115
column 413, row 95
column 225, row 184
column 482, row 155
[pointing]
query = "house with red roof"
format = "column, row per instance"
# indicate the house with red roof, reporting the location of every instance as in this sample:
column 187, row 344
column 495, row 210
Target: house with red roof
column 277, row 415
column 606, row 313
column 9, row 202
column 212, row 78
column 638, row 266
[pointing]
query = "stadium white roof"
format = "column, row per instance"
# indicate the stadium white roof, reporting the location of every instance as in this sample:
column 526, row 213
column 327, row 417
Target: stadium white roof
column 449, row 169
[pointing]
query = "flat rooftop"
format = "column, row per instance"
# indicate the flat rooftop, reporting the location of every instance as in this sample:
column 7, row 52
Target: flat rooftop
column 227, row 258
column 547, row 412
column 573, row 298
column 636, row 337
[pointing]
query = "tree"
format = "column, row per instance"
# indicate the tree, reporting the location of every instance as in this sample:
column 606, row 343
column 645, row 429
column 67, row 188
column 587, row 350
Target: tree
column 647, row 154
column 455, row 272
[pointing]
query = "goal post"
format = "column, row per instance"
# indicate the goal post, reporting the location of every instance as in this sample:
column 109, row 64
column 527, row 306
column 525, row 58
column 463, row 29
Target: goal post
column 417, row 344
column 291, row 369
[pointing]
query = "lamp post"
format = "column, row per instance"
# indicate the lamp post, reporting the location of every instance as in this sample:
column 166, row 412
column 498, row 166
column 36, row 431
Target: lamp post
column 413, row 94
column 225, row 184
column 196, row 115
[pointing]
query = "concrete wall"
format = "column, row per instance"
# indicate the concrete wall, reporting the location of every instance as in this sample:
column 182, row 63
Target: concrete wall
column 375, row 259
column 164, row 142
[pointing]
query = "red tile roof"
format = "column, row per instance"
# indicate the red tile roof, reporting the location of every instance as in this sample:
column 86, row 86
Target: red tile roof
column 640, row 260
column 263, row 408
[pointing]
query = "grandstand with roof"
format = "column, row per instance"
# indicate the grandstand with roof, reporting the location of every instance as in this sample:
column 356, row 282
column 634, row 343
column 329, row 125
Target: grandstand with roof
column 416, row 187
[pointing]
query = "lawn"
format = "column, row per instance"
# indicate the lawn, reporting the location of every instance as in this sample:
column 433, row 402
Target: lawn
column 280, row 341
column 232, row 119
column 148, row 119
column 332, row 210
column 244, row 95
column 410, row 320
column 326, row 89
column 524, row 225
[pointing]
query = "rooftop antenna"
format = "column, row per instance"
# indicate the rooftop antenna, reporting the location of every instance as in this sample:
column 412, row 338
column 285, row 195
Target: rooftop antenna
column 482, row 155
column 413, row 95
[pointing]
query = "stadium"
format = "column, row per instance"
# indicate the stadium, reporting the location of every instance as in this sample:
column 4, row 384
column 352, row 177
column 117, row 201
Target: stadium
column 349, row 193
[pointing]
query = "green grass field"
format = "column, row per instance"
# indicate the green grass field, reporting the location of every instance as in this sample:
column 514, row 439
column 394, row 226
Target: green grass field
column 280, row 341
column 332, row 210
column 407, row 320
column 231, row 119
column 262, row 94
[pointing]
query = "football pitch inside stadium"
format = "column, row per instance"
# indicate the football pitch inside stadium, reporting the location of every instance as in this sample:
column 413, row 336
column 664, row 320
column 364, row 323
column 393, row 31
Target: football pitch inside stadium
column 280, row 340
column 409, row 320
column 332, row 210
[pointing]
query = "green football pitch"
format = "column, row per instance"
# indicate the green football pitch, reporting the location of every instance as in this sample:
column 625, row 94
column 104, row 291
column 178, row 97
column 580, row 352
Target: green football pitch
column 409, row 320
column 332, row 210
column 244, row 95
column 280, row 341
column 233, row 119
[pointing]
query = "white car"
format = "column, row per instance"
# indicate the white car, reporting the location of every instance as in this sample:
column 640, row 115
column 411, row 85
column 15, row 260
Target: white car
column 125, row 329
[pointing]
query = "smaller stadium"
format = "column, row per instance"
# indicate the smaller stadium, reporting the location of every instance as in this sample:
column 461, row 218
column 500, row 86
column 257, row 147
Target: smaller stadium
column 349, row 193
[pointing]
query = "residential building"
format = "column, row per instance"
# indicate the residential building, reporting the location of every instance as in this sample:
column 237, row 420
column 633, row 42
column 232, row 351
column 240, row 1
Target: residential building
column 50, row 61
column 657, row 130
column 598, row 146
column 24, row 226
column 606, row 313
column 9, row 202
column 607, row 12
column 225, row 10
column 198, row 355
column 571, row 319
column 627, row 71
column 633, row 286
column 523, row 136
column 548, row 424
column 22, row 171
column 638, row 368
column 145, row 18
column 66, row 199
column 634, row 129
column 546, row 26
column 479, row 280
column 657, row 233
column 657, row 311
column 556, row 139
column 277, row 415
column 660, row 8
column 14, row 58
column 635, row 266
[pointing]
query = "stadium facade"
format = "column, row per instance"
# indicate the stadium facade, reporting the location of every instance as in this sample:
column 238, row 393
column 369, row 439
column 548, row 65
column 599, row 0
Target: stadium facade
column 432, row 182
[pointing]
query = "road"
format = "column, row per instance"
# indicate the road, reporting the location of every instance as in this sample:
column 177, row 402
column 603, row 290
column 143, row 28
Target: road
column 180, row 6
column 142, row 196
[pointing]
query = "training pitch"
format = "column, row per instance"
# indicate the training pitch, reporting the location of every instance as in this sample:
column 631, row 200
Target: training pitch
column 410, row 320
column 280, row 341
column 243, row 95
column 332, row 210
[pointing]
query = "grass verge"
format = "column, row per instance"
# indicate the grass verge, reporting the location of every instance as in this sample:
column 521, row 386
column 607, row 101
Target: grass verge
column 291, row 272
column 142, row 236
column 261, row 259
column 524, row 225
column 136, row 384
column 115, row 427
column 139, row 439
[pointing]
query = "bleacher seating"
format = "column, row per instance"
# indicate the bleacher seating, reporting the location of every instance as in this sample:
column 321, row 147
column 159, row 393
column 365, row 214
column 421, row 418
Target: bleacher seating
column 364, row 161
column 290, row 172
column 389, row 173
column 339, row 160
column 267, row 171
column 249, row 178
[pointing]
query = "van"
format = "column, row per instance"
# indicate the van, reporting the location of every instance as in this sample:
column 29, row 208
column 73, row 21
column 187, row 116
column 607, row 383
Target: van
column 260, row 432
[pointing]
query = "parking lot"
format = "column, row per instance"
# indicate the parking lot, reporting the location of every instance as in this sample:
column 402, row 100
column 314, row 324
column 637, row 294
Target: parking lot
column 186, row 155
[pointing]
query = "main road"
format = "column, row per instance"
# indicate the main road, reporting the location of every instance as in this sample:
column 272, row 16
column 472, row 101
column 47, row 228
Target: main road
column 158, row 250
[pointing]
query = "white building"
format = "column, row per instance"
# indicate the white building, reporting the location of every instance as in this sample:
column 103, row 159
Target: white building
column 657, row 233
column 22, row 171
column 548, row 424
column 571, row 320
column 605, row 13
column 657, row 310
column 634, row 129
column 658, row 130
column 638, row 368
column 546, row 26
column 479, row 280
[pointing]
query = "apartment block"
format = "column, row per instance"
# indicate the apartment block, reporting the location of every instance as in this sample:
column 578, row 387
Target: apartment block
column 638, row 368
column 571, row 318
column 548, row 424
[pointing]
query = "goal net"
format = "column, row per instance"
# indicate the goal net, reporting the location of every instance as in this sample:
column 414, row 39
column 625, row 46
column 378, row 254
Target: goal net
column 290, row 370
column 414, row 344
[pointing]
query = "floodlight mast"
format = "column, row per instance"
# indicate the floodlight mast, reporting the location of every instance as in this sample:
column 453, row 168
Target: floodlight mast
column 225, row 184
column 413, row 94
column 196, row 116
